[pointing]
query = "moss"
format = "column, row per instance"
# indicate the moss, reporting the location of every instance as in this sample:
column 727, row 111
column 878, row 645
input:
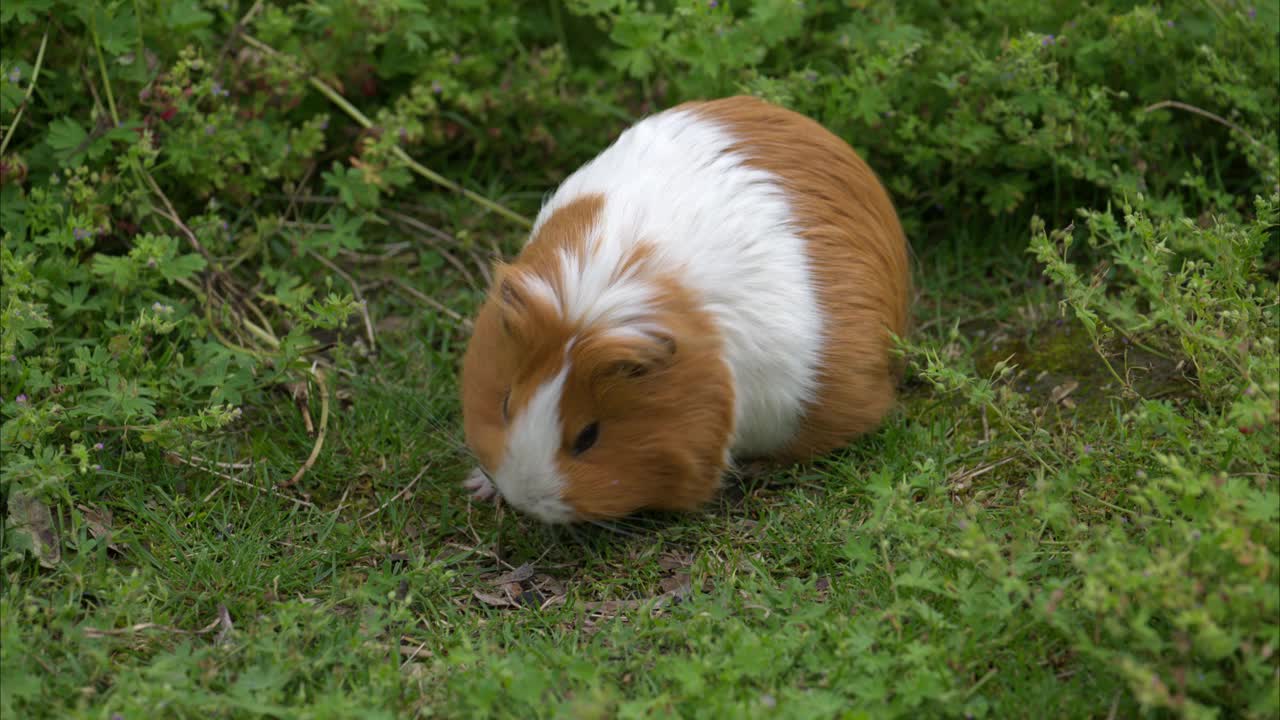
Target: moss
column 1057, row 365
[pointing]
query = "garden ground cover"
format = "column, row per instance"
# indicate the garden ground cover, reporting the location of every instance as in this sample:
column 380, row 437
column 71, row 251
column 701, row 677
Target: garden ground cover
column 236, row 277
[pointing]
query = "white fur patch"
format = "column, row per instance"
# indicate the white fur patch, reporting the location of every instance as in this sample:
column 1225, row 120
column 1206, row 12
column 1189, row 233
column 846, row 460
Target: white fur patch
column 528, row 477
column 726, row 230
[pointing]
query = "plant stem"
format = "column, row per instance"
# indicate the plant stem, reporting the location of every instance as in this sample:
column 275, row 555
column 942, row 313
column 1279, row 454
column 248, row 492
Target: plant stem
column 31, row 88
column 106, row 80
column 354, row 113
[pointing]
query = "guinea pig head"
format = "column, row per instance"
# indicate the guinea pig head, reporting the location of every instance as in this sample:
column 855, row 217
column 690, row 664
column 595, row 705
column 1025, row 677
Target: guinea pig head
column 591, row 405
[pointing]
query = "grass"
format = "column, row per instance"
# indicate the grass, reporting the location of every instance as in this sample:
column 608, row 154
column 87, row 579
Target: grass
column 840, row 588
column 1074, row 512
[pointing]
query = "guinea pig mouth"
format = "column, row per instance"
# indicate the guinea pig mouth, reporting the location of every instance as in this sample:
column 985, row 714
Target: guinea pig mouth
column 530, row 499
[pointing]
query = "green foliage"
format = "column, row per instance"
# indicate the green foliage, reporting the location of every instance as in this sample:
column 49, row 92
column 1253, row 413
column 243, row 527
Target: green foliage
column 212, row 241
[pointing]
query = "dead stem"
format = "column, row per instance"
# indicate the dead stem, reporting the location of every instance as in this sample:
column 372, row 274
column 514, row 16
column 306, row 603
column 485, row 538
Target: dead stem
column 404, row 491
column 324, row 427
column 425, row 229
column 418, row 295
column 355, row 288
column 96, row 633
column 1206, row 114
column 354, row 113
column 238, row 481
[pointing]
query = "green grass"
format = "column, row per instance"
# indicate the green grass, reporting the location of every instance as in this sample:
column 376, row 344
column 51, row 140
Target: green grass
column 1074, row 511
column 854, row 586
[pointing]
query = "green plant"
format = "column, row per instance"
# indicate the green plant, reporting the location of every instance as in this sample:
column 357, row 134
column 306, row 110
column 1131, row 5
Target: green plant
column 239, row 243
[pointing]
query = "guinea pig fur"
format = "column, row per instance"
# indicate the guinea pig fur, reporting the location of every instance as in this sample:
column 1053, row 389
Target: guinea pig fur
column 722, row 283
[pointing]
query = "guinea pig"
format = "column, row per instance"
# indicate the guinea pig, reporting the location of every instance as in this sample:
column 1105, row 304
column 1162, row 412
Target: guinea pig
column 721, row 284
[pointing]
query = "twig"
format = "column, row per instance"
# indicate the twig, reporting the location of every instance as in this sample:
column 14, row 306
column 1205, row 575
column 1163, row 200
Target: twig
column 172, row 215
column 479, row 551
column 238, row 481
column 31, row 88
column 248, row 464
column 1205, row 113
column 413, row 656
column 237, row 29
column 398, row 495
column 337, row 99
column 364, row 306
column 302, row 399
column 964, row 475
column 419, row 225
column 96, row 633
column 417, row 294
column 324, row 427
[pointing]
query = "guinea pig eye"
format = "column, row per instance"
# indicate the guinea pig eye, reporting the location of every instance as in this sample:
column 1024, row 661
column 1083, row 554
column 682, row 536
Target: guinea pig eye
column 586, row 438
column 505, row 412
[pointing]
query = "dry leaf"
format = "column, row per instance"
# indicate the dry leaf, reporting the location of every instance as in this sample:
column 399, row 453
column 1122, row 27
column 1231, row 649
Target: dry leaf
column 519, row 575
column 493, row 600
column 98, row 520
column 675, row 561
column 224, row 621
column 1059, row 393
column 31, row 519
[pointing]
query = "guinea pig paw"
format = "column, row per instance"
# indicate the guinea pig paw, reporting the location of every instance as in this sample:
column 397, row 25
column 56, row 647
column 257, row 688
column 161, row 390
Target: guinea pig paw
column 479, row 484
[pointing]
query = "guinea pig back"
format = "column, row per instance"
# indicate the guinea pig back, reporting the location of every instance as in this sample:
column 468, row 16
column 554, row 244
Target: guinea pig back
column 721, row 283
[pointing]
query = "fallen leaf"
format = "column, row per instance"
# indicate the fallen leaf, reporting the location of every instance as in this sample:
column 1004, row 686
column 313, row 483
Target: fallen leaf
column 675, row 561
column 1059, row 393
column 98, row 521
column 224, row 622
column 677, row 584
column 493, row 600
column 31, row 520
column 519, row 575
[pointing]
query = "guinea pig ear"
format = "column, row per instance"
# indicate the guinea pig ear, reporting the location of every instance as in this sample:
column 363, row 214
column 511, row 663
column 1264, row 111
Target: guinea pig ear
column 636, row 352
column 512, row 297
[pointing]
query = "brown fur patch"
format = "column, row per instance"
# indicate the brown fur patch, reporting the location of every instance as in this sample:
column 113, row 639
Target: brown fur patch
column 859, row 262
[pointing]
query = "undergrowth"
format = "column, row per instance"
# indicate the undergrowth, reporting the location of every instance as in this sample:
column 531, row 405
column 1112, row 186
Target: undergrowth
column 241, row 242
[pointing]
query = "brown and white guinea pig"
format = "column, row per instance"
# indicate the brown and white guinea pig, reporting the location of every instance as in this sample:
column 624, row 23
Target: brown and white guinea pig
column 720, row 284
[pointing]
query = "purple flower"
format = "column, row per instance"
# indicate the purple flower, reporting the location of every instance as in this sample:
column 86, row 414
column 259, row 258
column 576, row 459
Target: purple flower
column 209, row 129
column 21, row 399
column 1047, row 41
column 157, row 306
column 1168, row 23
column 15, row 75
column 80, row 234
column 436, row 87
column 98, row 446
column 97, row 468
column 324, row 124
column 1088, row 448
column 218, row 90
column 1253, row 13
column 712, row 3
